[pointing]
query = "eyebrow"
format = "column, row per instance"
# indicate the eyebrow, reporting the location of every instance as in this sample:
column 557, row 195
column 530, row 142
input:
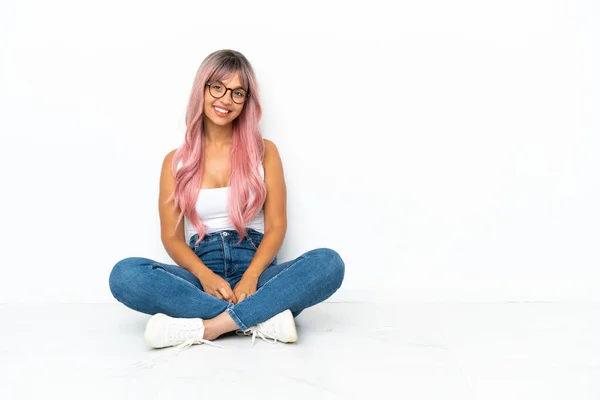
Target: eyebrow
column 237, row 87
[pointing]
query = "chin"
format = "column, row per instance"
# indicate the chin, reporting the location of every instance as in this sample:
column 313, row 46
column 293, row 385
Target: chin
column 221, row 122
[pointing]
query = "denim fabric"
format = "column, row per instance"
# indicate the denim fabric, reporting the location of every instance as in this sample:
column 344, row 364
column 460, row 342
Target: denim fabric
column 153, row 287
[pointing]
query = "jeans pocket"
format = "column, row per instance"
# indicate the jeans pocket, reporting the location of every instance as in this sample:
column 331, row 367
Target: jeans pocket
column 252, row 242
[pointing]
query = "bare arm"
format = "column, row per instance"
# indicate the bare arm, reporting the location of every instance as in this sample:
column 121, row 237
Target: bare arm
column 275, row 213
column 173, row 239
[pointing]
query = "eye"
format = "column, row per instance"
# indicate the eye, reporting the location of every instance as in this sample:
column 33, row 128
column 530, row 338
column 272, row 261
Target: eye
column 239, row 94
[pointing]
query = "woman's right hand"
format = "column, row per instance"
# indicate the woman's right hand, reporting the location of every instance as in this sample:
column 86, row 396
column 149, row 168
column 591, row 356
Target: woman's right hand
column 216, row 286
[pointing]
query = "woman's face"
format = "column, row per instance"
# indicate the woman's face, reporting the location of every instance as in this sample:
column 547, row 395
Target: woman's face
column 223, row 103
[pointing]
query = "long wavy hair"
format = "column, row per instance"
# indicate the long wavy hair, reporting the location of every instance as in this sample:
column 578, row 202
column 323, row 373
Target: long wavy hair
column 248, row 191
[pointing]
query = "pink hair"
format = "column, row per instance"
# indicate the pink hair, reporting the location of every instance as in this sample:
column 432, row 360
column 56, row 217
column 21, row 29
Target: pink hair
column 247, row 148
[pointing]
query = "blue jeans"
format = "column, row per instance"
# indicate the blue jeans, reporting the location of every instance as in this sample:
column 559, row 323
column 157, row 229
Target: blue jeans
column 152, row 287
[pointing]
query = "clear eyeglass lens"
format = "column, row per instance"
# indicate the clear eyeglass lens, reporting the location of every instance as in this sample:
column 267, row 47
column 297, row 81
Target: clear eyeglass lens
column 218, row 89
column 239, row 95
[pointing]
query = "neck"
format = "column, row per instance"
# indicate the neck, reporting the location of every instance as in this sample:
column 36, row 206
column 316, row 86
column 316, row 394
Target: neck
column 217, row 135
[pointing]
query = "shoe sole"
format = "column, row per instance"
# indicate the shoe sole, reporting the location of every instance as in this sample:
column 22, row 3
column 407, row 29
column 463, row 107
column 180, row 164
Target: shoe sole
column 293, row 334
column 150, row 341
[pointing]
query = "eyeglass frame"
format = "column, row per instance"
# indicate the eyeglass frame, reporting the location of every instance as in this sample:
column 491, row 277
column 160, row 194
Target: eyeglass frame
column 227, row 89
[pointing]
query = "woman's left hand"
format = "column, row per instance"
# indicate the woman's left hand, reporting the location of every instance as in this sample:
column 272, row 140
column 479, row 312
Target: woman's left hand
column 245, row 287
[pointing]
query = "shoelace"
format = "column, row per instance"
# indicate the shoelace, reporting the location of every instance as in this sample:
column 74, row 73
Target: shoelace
column 181, row 347
column 178, row 349
column 264, row 332
column 185, row 330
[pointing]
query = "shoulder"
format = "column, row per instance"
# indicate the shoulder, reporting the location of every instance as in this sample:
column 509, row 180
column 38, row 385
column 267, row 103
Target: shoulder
column 170, row 155
column 168, row 160
column 271, row 150
column 272, row 160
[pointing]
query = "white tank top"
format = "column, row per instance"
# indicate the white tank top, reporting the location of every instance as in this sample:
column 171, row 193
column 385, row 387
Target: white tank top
column 211, row 206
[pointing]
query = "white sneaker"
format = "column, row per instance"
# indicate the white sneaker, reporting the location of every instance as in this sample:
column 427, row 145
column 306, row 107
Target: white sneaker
column 164, row 331
column 278, row 328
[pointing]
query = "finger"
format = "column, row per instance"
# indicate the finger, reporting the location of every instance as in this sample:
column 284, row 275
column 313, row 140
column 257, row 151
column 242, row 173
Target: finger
column 218, row 295
column 224, row 293
column 242, row 296
column 233, row 296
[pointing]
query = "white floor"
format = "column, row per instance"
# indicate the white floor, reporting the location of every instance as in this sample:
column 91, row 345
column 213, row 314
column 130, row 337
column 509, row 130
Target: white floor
column 485, row 351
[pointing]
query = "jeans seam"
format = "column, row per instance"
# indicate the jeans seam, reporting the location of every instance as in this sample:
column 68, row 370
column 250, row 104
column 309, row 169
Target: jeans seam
column 235, row 318
column 287, row 269
column 252, row 242
column 186, row 281
column 232, row 313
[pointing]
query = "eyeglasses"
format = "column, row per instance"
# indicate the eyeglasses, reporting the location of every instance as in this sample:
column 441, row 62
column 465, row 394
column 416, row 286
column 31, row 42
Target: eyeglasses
column 217, row 89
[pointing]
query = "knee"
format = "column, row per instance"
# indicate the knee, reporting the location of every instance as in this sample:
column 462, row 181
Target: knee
column 121, row 274
column 331, row 263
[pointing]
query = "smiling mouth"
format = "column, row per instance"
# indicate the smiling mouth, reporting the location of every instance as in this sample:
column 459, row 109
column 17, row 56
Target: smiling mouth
column 220, row 111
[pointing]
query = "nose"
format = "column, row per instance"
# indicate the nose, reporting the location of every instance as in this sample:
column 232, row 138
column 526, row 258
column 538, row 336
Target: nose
column 227, row 98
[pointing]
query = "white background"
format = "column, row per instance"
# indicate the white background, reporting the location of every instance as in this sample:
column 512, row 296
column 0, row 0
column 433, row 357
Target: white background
column 447, row 150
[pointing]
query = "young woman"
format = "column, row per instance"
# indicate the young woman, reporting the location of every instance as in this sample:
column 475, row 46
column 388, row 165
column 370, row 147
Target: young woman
column 227, row 185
